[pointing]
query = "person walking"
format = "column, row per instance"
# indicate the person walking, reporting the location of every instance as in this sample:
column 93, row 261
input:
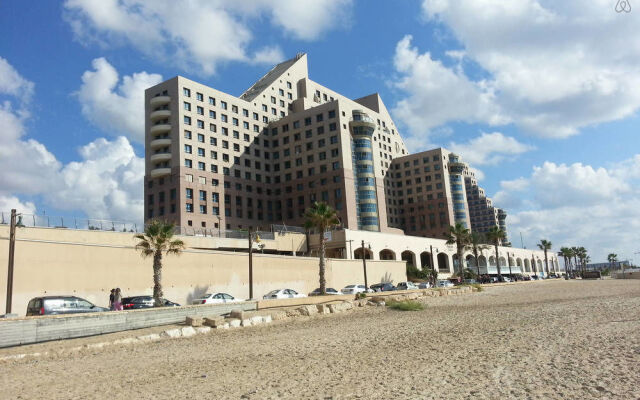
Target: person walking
column 111, row 298
column 117, row 300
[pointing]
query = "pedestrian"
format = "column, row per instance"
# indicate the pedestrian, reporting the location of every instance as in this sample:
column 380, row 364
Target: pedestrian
column 111, row 298
column 117, row 300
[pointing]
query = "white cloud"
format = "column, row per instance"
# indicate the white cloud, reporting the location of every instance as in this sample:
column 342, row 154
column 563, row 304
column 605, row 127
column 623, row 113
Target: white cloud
column 576, row 205
column 489, row 148
column 199, row 35
column 7, row 203
column 437, row 94
column 12, row 83
column 553, row 67
column 116, row 107
column 268, row 55
column 106, row 183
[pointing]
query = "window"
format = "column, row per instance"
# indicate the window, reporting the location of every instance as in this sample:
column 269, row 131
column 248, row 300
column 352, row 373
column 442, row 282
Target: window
column 187, row 134
column 212, row 101
column 332, row 113
column 187, row 163
column 200, row 138
column 189, row 207
column 187, row 148
column 187, row 120
column 212, row 114
column 200, row 110
column 186, row 92
column 187, row 106
column 203, row 195
column 189, row 193
column 234, row 109
column 200, row 152
column 223, row 105
column 213, row 141
column 199, row 97
column 213, row 128
column 319, row 118
column 201, row 166
column 200, row 124
column 334, row 139
column 223, row 117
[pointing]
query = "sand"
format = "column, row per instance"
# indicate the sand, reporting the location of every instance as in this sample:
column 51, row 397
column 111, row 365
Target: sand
column 537, row 340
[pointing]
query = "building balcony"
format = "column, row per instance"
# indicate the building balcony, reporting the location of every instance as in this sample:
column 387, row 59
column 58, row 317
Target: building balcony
column 160, row 114
column 160, row 156
column 160, row 128
column 159, row 101
column 159, row 172
column 457, row 167
column 160, row 143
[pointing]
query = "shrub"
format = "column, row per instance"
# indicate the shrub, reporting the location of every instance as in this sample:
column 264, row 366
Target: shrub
column 407, row 305
column 478, row 287
column 361, row 296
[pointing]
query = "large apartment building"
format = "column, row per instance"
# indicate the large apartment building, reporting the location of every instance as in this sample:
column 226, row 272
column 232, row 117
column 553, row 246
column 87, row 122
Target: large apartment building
column 215, row 161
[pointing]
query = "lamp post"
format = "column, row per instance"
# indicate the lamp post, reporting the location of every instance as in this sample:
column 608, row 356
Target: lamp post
column 364, row 265
column 251, row 261
column 12, row 247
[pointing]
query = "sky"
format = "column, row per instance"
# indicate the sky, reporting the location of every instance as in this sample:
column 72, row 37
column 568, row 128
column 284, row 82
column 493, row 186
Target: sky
column 541, row 97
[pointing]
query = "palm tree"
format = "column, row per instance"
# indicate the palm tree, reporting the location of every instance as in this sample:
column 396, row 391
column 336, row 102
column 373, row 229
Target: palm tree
column 582, row 256
column 156, row 240
column 565, row 253
column 612, row 258
column 476, row 243
column 545, row 245
column 460, row 236
column 321, row 217
column 496, row 236
column 575, row 251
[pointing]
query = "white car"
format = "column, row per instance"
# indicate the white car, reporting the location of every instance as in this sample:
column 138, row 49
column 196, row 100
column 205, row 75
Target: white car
column 354, row 289
column 283, row 294
column 424, row 285
column 216, row 298
column 406, row 286
column 443, row 283
column 329, row 291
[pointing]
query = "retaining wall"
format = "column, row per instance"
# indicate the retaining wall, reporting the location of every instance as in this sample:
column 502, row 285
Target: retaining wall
column 27, row 330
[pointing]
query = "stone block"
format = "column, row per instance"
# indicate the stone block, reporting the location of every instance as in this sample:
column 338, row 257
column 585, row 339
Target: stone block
column 97, row 345
column 234, row 323
column 214, row 321
column 203, row 329
column 130, row 340
column 188, row 331
column 293, row 313
column 377, row 299
column 308, row 310
column 278, row 315
column 193, row 321
column 151, row 337
column 246, row 322
column 257, row 320
column 172, row 333
column 382, row 304
column 413, row 296
column 266, row 319
column 322, row 309
column 237, row 313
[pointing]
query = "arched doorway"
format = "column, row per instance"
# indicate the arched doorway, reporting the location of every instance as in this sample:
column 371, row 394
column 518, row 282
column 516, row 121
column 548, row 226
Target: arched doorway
column 357, row 253
column 483, row 261
column 492, row 261
column 425, row 260
column 409, row 257
column 527, row 265
column 387, row 254
column 519, row 264
column 503, row 262
column 443, row 263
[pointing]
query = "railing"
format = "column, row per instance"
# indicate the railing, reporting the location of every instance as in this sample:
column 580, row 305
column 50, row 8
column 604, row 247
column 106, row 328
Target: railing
column 91, row 224
column 287, row 229
column 221, row 233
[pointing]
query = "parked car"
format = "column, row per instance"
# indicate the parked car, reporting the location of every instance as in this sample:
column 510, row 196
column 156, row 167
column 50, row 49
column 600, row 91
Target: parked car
column 470, row 281
column 354, row 289
column 382, row 287
column 526, row 278
column 406, row 286
column 138, row 302
column 283, row 294
column 443, row 283
column 534, row 277
column 216, row 298
column 424, row 285
column 55, row 305
column 505, row 279
column 329, row 290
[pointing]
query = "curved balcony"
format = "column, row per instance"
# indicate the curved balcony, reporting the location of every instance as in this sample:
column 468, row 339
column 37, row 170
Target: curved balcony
column 160, row 128
column 159, row 114
column 158, row 172
column 160, row 143
column 160, row 156
column 159, row 101
column 457, row 167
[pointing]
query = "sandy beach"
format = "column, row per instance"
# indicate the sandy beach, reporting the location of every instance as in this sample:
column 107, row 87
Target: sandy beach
column 538, row 340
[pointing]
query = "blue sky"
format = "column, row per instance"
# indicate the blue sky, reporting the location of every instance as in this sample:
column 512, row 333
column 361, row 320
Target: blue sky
column 540, row 98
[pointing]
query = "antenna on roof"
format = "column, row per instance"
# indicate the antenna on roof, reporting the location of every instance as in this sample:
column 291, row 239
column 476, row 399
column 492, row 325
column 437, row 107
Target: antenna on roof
column 299, row 55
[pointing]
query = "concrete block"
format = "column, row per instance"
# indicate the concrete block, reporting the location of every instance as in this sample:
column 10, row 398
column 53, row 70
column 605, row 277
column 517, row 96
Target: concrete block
column 130, row 340
column 234, row 323
column 323, row 309
column 237, row 313
column 278, row 315
column 266, row 319
column 149, row 338
column 193, row 321
column 246, row 322
column 307, row 310
column 172, row 333
column 97, row 345
column 188, row 331
column 377, row 299
column 257, row 320
column 214, row 321
column 203, row 329
column 382, row 304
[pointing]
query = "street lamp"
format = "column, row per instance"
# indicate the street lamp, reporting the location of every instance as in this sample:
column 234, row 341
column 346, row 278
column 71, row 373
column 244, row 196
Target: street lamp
column 364, row 265
column 251, row 261
column 12, row 249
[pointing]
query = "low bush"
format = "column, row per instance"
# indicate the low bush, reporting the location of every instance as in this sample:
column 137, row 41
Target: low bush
column 406, row 305
column 361, row 296
column 478, row 287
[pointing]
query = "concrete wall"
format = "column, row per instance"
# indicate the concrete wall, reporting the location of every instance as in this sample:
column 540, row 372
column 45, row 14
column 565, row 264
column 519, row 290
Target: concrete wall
column 89, row 263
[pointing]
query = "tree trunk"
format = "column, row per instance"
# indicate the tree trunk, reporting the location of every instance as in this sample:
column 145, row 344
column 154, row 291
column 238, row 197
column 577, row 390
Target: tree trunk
column 498, row 262
column 157, row 278
column 323, row 281
column 460, row 261
column 475, row 254
column 546, row 261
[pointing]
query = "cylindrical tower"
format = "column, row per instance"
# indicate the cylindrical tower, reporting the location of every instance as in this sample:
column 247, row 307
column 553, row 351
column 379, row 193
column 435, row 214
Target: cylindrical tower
column 456, row 168
column 362, row 128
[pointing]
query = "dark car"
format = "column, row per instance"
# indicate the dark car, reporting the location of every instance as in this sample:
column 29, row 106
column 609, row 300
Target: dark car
column 328, row 290
column 382, row 287
column 137, row 302
column 56, row 305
